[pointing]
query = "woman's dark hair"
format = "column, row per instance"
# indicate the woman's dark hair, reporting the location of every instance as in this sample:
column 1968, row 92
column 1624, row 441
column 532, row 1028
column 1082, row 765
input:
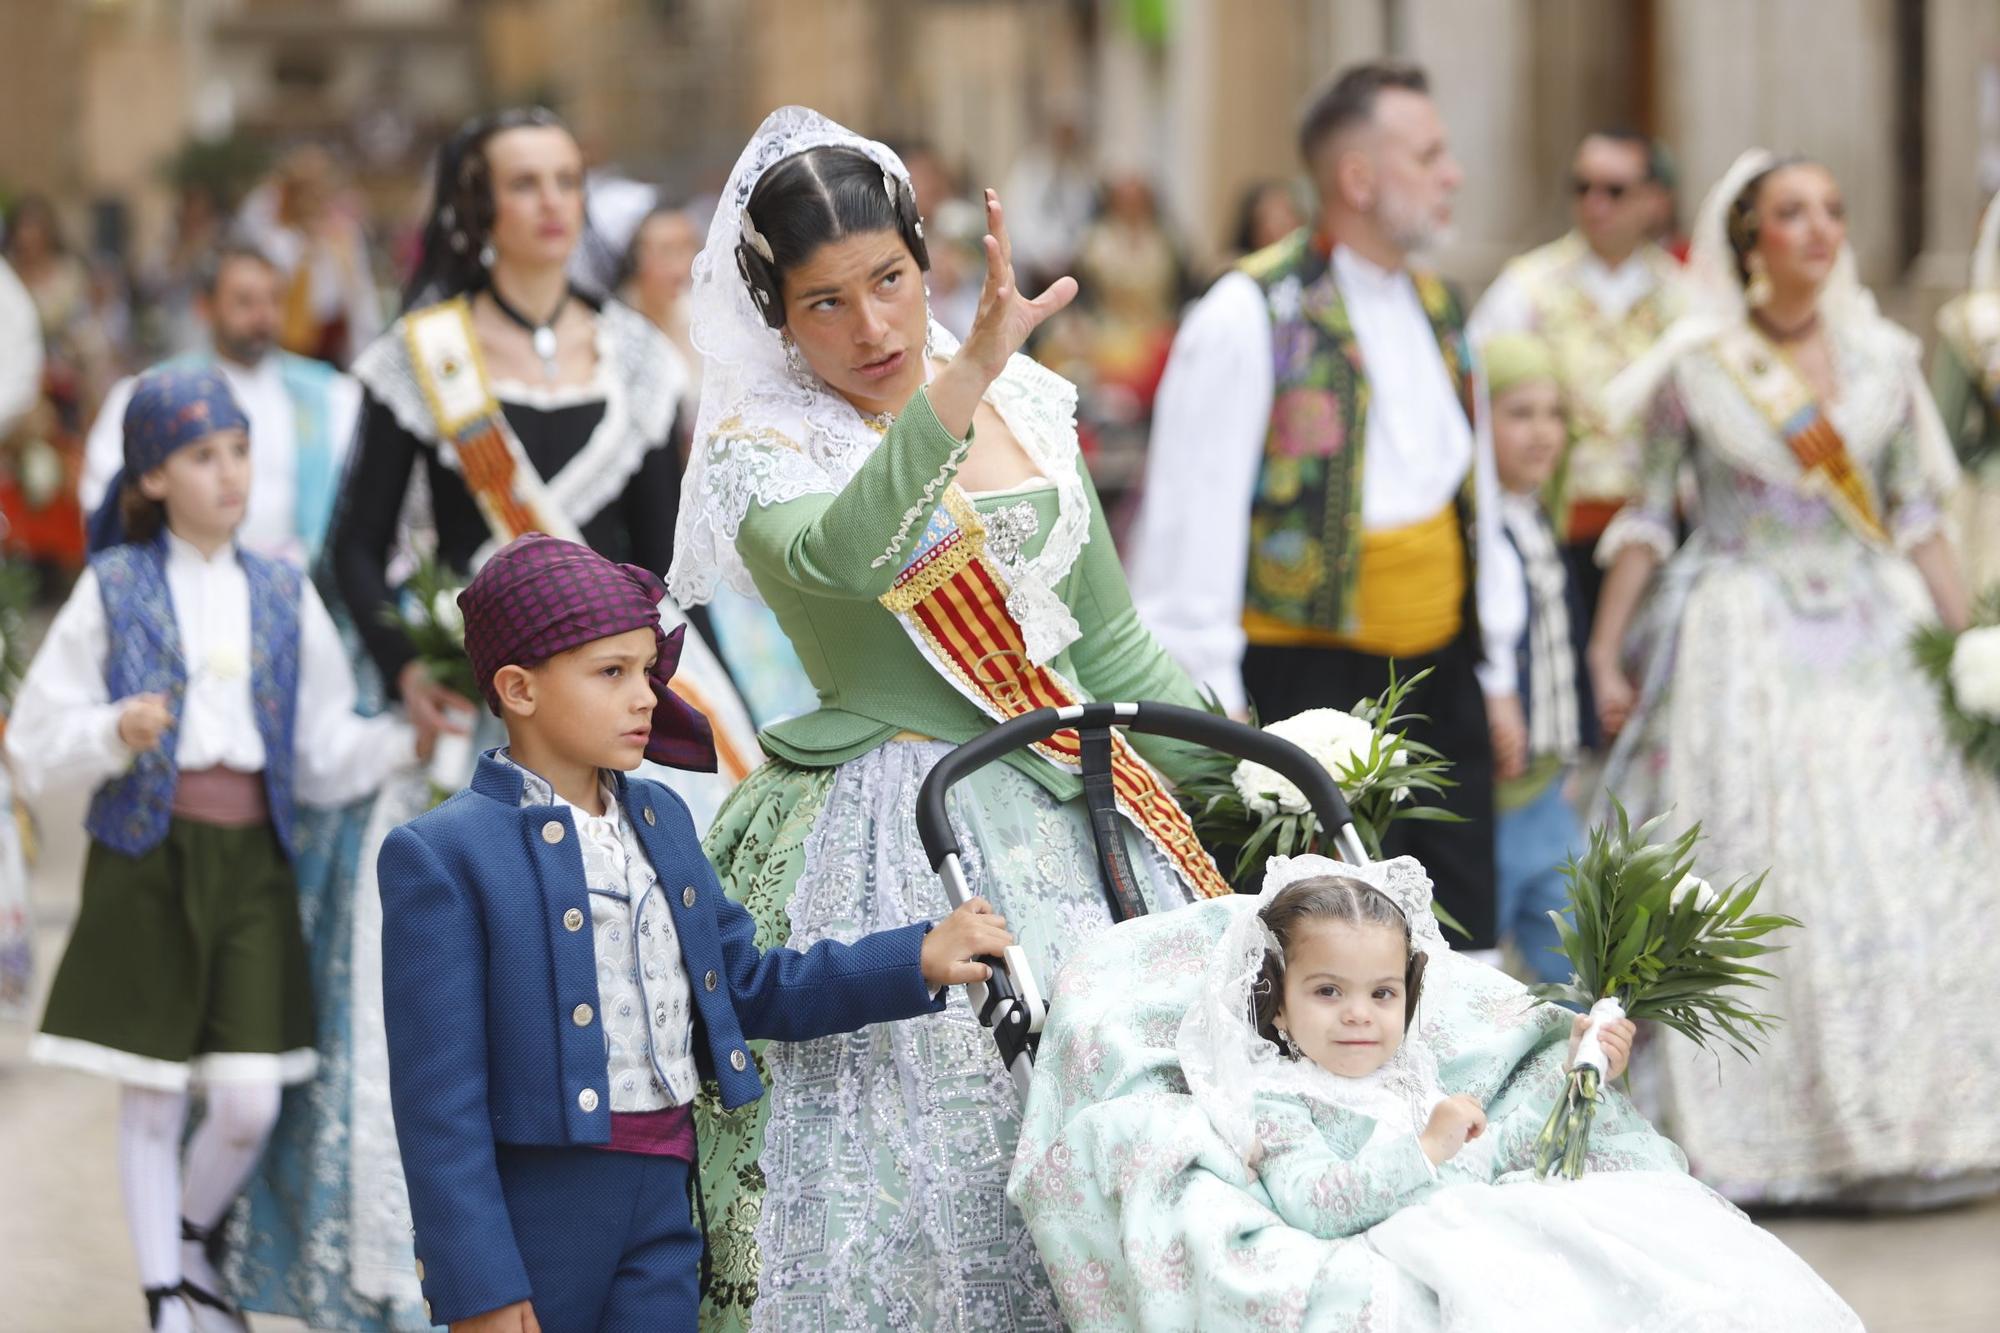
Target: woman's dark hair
column 1743, row 220
column 628, row 263
column 462, row 207
column 1249, row 204
column 141, row 517
column 34, row 208
column 810, row 198
column 1327, row 898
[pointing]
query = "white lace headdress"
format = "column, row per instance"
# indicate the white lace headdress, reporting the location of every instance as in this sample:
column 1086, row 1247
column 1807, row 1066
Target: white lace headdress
column 751, row 400
column 1717, row 302
column 1227, row 1062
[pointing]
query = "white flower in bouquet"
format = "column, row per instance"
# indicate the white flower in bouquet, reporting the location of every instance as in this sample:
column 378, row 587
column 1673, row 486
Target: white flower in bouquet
column 1337, row 741
column 444, row 611
column 1703, row 891
column 1975, row 672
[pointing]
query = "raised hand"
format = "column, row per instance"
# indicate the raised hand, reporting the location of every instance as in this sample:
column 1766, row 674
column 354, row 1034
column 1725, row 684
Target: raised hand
column 1455, row 1122
column 1003, row 323
column 1006, row 317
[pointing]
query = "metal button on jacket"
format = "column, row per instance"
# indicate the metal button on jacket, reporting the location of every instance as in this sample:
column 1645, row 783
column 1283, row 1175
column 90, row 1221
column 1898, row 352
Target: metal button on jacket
column 687, row 896
column 649, row 816
column 738, row 1061
column 420, row 1270
column 573, row 919
column 580, row 1015
column 708, row 979
column 552, row 832
column 587, row 1099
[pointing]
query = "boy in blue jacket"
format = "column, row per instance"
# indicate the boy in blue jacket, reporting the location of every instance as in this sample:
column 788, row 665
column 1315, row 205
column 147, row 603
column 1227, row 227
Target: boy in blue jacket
column 560, row 968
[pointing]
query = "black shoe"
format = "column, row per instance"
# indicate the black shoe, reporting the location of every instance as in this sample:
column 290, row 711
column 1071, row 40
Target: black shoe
column 211, row 1246
column 157, row 1297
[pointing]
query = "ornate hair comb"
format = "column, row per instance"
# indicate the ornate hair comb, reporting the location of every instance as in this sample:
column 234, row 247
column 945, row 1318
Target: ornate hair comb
column 755, row 239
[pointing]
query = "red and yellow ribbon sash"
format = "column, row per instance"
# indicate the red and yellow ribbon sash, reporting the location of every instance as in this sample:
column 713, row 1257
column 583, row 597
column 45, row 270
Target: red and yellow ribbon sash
column 1777, row 391
column 952, row 600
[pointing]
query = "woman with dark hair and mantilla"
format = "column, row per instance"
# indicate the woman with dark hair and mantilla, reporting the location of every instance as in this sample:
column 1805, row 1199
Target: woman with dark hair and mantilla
column 1768, row 691
column 918, row 515
column 504, row 401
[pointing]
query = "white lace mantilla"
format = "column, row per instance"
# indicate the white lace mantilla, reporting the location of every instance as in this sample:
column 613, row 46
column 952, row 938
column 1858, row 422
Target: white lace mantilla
column 766, row 436
column 640, row 379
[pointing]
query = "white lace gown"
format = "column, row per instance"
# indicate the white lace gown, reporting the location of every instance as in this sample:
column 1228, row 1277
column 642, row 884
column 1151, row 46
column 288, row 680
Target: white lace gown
column 1782, row 709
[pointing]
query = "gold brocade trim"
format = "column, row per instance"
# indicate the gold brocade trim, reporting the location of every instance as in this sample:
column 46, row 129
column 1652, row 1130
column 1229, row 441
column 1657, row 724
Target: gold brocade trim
column 490, row 406
column 942, row 562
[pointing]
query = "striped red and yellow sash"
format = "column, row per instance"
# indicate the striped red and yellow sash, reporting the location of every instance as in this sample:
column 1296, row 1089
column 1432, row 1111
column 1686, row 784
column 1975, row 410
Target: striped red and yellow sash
column 952, row 599
column 1778, row 392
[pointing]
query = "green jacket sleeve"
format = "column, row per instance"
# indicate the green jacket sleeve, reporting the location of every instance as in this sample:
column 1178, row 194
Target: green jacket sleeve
column 852, row 545
column 1966, row 417
column 1117, row 657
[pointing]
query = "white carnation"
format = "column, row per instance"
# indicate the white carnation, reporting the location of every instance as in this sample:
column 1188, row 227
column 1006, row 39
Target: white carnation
column 1334, row 739
column 1703, row 891
column 444, row 610
column 1975, row 672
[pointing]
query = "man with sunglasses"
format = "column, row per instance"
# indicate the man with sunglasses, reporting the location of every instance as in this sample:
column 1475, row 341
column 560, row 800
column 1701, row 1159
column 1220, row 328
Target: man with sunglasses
column 1600, row 296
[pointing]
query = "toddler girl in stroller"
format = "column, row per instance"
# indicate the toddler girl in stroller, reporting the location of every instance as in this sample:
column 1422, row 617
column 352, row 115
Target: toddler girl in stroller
column 1214, row 1141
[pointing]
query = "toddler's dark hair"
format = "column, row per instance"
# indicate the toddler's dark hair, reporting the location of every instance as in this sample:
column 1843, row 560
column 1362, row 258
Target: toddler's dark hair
column 1328, row 898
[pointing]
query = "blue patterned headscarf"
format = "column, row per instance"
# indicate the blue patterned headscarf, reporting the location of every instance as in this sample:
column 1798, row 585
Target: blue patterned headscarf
column 171, row 408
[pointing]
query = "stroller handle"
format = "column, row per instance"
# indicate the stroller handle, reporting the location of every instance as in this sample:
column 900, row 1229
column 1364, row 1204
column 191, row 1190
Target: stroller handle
column 1170, row 720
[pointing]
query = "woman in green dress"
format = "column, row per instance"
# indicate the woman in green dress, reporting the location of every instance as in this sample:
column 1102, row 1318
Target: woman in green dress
column 918, row 516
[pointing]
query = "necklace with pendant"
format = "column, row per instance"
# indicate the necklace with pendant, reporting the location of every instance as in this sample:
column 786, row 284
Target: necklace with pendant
column 541, row 336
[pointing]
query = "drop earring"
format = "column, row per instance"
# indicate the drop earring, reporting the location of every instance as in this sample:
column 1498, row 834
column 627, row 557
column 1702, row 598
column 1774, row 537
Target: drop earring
column 795, row 362
column 1757, row 292
column 487, row 255
column 1291, row 1047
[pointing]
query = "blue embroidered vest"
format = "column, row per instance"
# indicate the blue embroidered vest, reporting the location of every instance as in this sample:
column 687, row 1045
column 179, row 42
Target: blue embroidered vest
column 129, row 814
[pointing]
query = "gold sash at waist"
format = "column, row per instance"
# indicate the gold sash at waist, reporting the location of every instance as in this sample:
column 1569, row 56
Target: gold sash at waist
column 1408, row 600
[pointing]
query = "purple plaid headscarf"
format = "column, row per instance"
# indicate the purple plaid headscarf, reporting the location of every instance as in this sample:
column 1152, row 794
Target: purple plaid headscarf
column 172, row 407
column 540, row 595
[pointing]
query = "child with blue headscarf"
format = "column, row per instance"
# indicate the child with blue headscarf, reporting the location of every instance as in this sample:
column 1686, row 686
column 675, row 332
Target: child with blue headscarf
column 169, row 690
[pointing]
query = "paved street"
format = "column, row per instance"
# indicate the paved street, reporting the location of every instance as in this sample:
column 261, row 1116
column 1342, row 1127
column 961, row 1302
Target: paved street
column 65, row 1266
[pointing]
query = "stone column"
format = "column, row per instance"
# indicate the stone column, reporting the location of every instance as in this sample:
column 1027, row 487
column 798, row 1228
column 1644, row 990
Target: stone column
column 1961, row 140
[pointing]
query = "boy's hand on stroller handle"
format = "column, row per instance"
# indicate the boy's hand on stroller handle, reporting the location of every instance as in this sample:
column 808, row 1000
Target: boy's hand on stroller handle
column 954, row 944
column 1455, row 1122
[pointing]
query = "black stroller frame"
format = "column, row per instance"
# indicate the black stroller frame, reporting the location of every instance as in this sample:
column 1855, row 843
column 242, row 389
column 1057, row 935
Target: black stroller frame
column 1010, row 1002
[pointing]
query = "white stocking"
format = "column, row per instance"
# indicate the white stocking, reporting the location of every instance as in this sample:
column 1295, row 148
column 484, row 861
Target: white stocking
column 149, row 1151
column 235, row 1124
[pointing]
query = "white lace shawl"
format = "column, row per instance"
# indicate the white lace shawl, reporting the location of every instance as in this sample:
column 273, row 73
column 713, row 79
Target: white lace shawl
column 1881, row 366
column 640, row 378
column 1226, row 1061
column 765, row 436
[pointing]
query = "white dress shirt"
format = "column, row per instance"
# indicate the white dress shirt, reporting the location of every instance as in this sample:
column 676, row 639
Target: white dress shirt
column 63, row 735
column 271, row 520
column 20, row 349
column 1190, row 550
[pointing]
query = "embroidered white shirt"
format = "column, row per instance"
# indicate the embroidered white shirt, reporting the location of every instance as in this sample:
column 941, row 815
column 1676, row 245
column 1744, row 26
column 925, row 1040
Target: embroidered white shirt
column 270, row 522
column 63, row 733
column 1509, row 305
column 1189, row 554
column 644, row 999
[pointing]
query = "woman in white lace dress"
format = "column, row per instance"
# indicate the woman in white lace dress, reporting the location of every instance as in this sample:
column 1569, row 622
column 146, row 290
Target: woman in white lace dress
column 1768, row 691
column 919, row 517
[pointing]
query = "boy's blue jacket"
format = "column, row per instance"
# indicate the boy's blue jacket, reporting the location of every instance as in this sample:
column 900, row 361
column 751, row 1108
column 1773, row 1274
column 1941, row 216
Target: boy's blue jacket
column 486, row 956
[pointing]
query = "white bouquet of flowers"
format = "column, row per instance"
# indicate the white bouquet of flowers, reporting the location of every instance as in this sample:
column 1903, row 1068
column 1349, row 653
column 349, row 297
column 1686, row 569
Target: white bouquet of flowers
column 1255, row 810
column 428, row 612
column 1966, row 670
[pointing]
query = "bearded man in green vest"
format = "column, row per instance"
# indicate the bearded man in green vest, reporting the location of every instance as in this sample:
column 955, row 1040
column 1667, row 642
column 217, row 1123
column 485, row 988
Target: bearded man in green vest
column 1320, row 501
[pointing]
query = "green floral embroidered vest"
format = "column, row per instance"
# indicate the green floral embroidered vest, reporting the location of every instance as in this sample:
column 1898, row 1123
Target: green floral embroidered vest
column 1305, row 518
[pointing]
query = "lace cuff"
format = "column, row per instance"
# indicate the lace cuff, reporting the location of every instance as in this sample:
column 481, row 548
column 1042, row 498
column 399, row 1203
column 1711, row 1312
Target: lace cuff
column 1633, row 526
column 1916, row 523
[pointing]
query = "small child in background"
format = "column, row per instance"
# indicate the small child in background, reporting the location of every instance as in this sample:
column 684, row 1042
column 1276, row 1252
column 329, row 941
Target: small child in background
column 561, row 969
column 1536, row 829
column 199, row 693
